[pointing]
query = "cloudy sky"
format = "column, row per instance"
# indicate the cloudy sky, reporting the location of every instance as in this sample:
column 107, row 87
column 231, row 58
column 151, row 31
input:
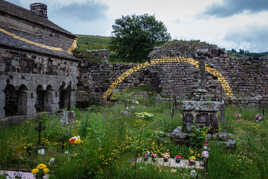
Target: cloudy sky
column 227, row 23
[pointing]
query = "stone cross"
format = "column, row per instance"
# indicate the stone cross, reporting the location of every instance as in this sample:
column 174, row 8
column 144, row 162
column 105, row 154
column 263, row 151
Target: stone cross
column 39, row 129
column 202, row 54
column 202, row 71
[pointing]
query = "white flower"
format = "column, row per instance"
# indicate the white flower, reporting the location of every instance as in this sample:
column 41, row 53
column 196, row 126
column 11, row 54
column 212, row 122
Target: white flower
column 193, row 173
column 205, row 154
column 51, row 161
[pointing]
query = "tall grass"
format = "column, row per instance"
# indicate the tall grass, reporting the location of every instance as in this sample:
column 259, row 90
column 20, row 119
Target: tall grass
column 112, row 141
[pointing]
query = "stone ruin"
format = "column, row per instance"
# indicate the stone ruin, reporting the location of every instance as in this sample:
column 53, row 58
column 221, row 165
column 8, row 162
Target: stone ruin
column 201, row 112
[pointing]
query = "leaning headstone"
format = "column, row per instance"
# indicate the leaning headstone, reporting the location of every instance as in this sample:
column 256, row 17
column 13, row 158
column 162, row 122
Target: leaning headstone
column 71, row 117
column 67, row 117
column 64, row 118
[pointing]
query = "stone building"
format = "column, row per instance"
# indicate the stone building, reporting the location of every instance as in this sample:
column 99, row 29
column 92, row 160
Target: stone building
column 37, row 69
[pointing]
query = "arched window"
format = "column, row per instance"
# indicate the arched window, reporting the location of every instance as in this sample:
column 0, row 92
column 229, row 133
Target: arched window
column 11, row 100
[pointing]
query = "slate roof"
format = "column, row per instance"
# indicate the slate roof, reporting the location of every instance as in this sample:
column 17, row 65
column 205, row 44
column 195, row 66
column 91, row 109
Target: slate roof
column 25, row 14
column 8, row 41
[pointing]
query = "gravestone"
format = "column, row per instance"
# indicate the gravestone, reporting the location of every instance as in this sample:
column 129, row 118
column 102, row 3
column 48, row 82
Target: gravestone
column 67, row 117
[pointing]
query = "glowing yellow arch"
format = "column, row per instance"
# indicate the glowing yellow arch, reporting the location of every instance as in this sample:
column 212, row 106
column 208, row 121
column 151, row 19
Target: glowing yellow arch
column 212, row 71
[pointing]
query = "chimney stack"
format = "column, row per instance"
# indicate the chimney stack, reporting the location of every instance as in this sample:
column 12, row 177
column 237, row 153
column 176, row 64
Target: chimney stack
column 39, row 9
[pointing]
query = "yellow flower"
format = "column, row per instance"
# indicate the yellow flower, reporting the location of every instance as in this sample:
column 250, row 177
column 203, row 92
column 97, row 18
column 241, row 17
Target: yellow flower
column 77, row 141
column 35, row 171
column 192, row 158
column 46, row 170
column 191, row 151
column 41, row 166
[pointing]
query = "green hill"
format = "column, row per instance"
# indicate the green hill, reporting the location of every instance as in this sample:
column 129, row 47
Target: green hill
column 85, row 42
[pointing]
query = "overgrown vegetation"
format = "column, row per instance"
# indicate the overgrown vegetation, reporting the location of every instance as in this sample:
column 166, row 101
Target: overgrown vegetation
column 112, row 137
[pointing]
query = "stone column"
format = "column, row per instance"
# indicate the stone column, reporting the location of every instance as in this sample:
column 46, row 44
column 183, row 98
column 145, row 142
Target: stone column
column 202, row 71
column 73, row 98
column 31, row 101
column 54, row 106
column 56, row 100
column 2, row 98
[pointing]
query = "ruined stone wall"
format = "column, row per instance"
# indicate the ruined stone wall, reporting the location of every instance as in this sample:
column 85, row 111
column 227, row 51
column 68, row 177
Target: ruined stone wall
column 248, row 79
column 36, row 32
column 26, row 71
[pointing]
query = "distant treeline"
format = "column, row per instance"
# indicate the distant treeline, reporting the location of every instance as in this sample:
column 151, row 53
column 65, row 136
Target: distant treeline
column 246, row 53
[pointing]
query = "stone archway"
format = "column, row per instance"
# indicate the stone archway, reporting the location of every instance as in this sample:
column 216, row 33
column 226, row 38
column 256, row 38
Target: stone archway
column 214, row 72
column 16, row 100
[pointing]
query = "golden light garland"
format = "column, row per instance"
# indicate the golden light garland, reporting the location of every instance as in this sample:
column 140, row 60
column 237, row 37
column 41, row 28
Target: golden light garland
column 225, row 85
column 69, row 51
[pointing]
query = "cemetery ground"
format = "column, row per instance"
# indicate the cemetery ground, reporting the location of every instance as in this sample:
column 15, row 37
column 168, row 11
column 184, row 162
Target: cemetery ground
column 114, row 136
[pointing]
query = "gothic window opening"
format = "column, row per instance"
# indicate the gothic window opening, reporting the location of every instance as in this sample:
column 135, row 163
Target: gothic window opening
column 16, row 100
column 11, row 101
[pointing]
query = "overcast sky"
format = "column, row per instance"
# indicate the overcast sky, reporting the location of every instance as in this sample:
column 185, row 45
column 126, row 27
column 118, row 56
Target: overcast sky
column 227, row 23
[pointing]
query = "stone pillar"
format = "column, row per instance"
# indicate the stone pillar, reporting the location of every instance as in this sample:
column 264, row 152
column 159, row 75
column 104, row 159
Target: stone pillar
column 31, row 101
column 54, row 106
column 2, row 98
column 73, row 98
column 202, row 72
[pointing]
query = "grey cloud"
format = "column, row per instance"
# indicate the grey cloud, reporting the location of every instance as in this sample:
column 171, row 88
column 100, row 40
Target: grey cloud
column 233, row 7
column 87, row 11
column 255, row 36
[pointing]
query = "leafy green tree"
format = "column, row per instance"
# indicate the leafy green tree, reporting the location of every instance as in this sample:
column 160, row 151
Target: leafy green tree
column 133, row 37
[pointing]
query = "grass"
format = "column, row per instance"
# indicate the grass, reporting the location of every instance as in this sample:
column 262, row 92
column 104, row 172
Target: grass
column 111, row 141
column 90, row 42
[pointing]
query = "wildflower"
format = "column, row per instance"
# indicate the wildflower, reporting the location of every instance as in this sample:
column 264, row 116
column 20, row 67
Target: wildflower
column 41, row 166
column 237, row 115
column 178, row 158
column 46, row 170
column 35, row 171
column 193, row 173
column 173, row 170
column 51, row 161
column 191, row 151
column 192, row 158
column 165, row 156
column 154, row 155
column 205, row 154
column 75, row 139
column 258, row 117
column 147, row 155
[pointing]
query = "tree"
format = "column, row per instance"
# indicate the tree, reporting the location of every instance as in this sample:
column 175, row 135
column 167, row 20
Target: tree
column 133, row 37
